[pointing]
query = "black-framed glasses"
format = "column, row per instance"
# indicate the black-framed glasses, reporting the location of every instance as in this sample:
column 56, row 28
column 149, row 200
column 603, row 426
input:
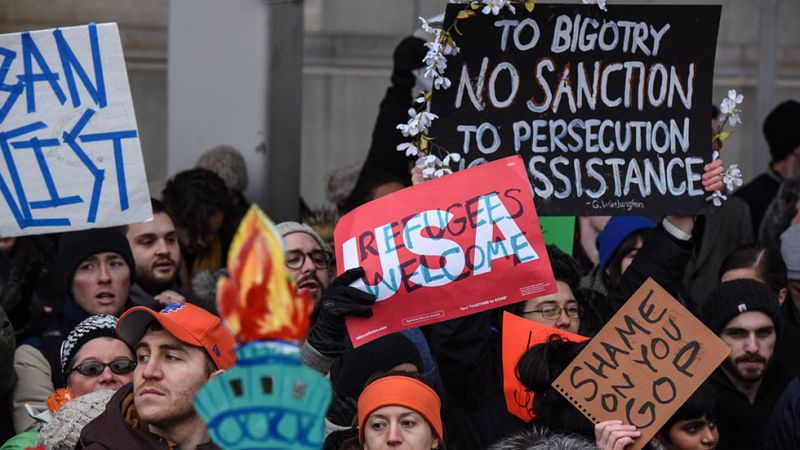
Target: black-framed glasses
column 296, row 258
column 95, row 368
column 554, row 312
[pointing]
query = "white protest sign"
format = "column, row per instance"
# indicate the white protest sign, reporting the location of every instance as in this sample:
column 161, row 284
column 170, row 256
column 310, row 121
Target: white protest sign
column 70, row 156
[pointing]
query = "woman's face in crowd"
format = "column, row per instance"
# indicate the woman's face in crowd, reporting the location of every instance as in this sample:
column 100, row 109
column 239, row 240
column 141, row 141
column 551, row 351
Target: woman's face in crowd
column 693, row 434
column 101, row 282
column 628, row 258
column 104, row 350
column 555, row 310
column 398, row 428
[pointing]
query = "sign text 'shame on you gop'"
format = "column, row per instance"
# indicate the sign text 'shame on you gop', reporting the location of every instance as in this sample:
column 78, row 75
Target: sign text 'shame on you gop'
column 446, row 248
column 644, row 364
column 70, row 156
column 610, row 110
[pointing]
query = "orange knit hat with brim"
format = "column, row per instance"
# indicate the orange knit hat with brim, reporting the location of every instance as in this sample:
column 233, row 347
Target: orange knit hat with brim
column 403, row 391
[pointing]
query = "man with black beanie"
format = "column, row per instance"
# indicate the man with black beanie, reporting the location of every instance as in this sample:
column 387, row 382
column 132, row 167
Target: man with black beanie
column 746, row 315
column 782, row 131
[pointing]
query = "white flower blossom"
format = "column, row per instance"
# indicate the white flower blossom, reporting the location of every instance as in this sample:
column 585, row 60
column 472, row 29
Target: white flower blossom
column 600, row 3
column 492, row 6
column 409, row 148
column 420, row 99
column 434, row 59
column 442, row 172
column 441, row 82
column 717, row 197
column 450, row 49
column 729, row 107
column 412, row 127
column 737, row 98
column 454, row 157
column 715, row 155
column 426, row 27
column 432, row 167
column 425, row 119
column 732, row 177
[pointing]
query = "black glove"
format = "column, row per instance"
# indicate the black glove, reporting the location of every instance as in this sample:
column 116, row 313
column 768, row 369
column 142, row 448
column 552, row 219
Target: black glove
column 408, row 56
column 339, row 300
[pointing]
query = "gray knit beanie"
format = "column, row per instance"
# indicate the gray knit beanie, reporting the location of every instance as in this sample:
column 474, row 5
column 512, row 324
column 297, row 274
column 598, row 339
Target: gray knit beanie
column 287, row 228
column 790, row 250
column 228, row 163
column 64, row 430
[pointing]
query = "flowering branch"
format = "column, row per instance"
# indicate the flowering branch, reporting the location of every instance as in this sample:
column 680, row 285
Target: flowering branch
column 420, row 117
column 732, row 178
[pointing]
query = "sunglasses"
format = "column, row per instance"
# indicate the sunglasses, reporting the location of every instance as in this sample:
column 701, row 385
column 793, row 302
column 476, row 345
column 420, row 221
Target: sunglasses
column 95, row 368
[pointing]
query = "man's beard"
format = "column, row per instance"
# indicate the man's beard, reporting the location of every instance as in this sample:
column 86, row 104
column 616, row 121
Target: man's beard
column 152, row 285
column 732, row 368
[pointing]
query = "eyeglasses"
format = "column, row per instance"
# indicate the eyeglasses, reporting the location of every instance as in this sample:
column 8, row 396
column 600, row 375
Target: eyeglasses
column 95, row 368
column 296, row 258
column 554, row 312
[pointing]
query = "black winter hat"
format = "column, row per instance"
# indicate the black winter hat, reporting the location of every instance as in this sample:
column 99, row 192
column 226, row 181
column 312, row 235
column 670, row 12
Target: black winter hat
column 74, row 247
column 732, row 298
column 782, row 129
column 380, row 355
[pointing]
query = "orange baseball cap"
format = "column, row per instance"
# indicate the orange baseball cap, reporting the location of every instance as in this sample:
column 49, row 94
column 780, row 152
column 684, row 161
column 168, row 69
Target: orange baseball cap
column 398, row 390
column 189, row 324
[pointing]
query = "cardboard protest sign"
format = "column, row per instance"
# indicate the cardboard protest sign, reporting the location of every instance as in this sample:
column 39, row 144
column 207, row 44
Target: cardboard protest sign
column 71, row 157
column 610, row 110
column 446, row 248
column 520, row 334
column 644, row 364
column 559, row 231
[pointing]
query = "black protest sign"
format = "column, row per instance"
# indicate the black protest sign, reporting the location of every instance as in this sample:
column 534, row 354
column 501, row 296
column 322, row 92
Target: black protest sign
column 644, row 364
column 610, row 110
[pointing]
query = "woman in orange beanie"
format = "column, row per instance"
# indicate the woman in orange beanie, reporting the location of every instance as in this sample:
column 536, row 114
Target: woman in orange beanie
column 399, row 411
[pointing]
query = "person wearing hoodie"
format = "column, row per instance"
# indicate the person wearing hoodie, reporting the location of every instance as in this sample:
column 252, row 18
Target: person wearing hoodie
column 93, row 273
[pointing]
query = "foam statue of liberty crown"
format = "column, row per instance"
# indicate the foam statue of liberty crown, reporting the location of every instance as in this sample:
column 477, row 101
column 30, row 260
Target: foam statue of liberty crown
column 268, row 400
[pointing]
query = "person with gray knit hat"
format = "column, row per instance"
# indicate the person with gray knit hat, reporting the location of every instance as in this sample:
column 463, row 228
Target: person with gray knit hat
column 307, row 258
column 746, row 315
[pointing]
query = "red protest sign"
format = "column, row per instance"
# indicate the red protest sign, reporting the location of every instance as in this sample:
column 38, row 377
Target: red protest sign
column 520, row 334
column 446, row 248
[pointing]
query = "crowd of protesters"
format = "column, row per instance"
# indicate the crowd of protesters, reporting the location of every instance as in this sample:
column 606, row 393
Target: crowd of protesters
column 107, row 334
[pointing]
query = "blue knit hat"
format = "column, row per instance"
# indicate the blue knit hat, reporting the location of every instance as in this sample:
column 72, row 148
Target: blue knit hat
column 616, row 230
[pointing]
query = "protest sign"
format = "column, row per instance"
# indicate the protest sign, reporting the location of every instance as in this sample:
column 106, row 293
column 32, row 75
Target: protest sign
column 520, row 334
column 610, row 110
column 446, row 248
column 559, row 231
column 644, row 364
column 71, row 157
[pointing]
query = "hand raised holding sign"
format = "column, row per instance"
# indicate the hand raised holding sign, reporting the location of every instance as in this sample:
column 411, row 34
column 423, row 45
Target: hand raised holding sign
column 712, row 176
column 711, row 181
column 338, row 301
column 614, row 435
